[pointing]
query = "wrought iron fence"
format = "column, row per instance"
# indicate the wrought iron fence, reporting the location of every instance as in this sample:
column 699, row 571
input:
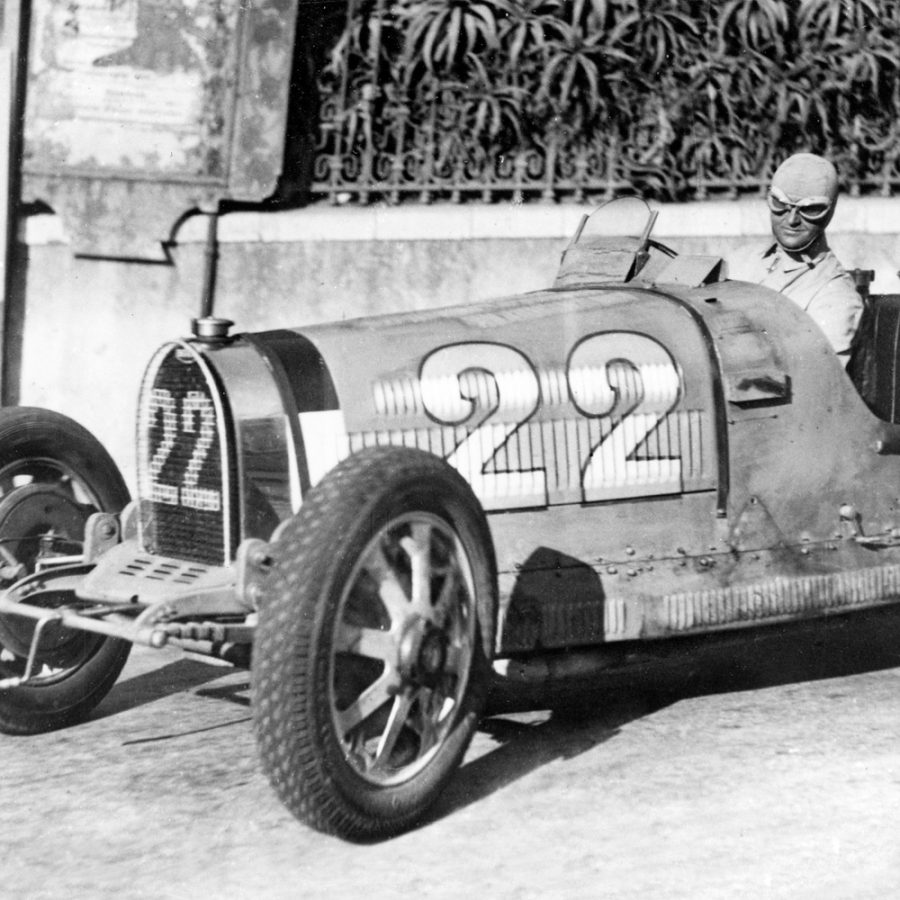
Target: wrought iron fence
column 584, row 99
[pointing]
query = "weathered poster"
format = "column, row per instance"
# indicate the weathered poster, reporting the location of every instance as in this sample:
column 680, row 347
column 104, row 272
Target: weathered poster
column 150, row 107
column 120, row 84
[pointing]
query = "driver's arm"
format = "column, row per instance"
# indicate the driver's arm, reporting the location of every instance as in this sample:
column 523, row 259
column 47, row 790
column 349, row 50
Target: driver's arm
column 836, row 309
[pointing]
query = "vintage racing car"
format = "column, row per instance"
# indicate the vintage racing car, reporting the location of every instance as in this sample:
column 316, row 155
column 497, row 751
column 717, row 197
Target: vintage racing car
column 393, row 510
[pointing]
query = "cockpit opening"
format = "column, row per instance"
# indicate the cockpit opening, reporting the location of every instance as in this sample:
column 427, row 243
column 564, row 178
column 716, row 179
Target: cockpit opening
column 874, row 365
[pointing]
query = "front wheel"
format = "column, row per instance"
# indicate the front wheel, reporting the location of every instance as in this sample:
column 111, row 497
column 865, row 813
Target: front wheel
column 371, row 658
column 53, row 475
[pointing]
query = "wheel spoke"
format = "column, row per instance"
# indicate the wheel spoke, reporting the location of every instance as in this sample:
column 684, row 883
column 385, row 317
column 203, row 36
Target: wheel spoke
column 457, row 653
column 390, row 590
column 444, row 602
column 395, row 724
column 425, row 724
column 401, row 649
column 370, row 642
column 418, row 549
column 369, row 701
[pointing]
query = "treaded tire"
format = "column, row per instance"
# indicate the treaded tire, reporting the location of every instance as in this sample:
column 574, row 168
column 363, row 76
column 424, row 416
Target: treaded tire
column 307, row 661
column 48, row 447
column 29, row 432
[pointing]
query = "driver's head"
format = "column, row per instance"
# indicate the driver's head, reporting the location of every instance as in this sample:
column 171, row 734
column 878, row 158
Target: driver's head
column 801, row 200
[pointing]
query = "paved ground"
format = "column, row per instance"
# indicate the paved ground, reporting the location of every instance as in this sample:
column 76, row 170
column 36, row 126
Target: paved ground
column 776, row 774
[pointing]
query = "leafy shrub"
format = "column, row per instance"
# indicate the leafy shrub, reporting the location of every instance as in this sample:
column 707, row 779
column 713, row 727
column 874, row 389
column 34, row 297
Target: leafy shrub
column 554, row 98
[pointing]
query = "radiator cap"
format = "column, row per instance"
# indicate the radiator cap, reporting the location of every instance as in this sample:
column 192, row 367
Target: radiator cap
column 211, row 329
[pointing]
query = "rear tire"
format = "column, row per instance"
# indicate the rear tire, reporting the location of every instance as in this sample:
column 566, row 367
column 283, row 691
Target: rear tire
column 372, row 655
column 53, row 475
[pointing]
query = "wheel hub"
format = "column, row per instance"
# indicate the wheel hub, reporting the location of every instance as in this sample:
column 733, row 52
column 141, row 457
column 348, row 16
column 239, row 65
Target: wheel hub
column 35, row 510
column 26, row 514
column 433, row 653
column 423, row 652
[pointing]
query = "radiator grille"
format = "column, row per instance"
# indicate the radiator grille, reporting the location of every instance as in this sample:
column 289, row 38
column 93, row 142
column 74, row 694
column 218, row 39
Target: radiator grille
column 183, row 461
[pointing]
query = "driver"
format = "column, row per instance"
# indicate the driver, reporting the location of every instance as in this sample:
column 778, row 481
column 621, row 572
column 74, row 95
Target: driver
column 800, row 263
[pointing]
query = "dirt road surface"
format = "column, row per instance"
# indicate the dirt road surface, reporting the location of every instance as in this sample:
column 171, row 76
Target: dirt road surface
column 769, row 770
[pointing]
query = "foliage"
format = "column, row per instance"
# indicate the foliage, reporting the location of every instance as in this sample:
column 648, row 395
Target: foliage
column 675, row 98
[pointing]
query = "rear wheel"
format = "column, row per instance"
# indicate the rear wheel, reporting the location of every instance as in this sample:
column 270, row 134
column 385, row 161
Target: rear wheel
column 371, row 659
column 53, row 475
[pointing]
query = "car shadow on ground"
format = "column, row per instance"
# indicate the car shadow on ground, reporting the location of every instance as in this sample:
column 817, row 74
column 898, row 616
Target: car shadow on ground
column 582, row 715
column 237, row 692
column 538, row 726
column 526, row 744
column 148, row 687
column 184, row 675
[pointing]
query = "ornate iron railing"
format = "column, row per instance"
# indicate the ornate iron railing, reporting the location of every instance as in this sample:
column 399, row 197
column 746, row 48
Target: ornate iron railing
column 584, row 99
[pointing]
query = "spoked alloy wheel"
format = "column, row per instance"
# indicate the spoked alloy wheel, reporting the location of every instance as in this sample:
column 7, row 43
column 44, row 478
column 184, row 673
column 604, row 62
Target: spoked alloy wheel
column 53, row 475
column 371, row 658
column 403, row 646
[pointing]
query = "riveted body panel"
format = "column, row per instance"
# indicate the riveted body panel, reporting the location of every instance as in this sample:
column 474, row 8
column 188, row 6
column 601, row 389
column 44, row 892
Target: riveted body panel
column 720, row 507
column 657, row 450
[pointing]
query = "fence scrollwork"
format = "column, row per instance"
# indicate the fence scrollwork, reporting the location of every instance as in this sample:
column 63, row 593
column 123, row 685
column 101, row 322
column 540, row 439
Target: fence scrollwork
column 582, row 99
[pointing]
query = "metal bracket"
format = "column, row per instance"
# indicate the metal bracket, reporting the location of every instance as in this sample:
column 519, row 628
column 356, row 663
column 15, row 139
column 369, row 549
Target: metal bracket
column 101, row 533
column 880, row 541
column 150, row 621
column 254, row 565
column 18, row 680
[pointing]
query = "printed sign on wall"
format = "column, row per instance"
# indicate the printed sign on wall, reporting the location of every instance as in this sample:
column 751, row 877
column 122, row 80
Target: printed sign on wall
column 138, row 110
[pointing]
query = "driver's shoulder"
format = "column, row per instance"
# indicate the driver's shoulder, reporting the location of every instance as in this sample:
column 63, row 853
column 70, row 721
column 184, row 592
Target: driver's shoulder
column 835, row 279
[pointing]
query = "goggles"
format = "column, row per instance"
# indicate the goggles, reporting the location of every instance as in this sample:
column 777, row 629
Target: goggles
column 813, row 209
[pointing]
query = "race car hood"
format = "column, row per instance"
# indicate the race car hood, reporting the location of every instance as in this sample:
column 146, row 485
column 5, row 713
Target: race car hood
column 748, row 335
column 378, row 364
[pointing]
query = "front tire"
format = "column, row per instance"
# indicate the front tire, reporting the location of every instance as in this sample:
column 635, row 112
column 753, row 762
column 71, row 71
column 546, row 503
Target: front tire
column 53, row 475
column 371, row 659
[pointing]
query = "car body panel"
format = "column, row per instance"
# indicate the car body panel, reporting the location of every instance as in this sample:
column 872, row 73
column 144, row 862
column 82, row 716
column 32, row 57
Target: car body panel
column 659, row 452
column 653, row 459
